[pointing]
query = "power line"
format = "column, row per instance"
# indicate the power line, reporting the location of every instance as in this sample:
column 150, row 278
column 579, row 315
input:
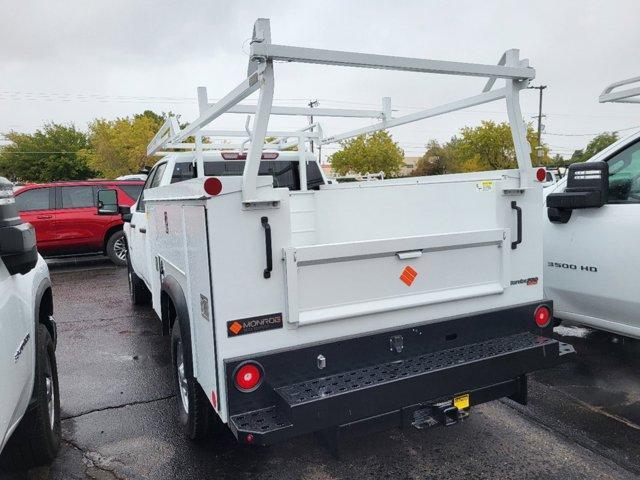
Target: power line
column 94, row 97
column 589, row 134
column 4, row 152
column 89, row 97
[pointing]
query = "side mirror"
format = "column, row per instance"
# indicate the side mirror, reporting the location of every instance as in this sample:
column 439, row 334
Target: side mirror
column 17, row 239
column 587, row 187
column 108, row 202
column 125, row 213
column 18, row 248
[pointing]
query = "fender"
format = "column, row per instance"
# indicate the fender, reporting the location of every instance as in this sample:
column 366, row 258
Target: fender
column 171, row 288
column 46, row 317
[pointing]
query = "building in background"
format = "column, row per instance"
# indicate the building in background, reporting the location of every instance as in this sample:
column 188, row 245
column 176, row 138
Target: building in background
column 409, row 165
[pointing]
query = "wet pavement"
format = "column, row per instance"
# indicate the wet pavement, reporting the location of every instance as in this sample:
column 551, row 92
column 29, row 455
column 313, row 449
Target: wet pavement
column 119, row 419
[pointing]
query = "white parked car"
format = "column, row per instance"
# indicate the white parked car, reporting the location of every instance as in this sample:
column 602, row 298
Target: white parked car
column 29, row 399
column 592, row 267
column 134, row 176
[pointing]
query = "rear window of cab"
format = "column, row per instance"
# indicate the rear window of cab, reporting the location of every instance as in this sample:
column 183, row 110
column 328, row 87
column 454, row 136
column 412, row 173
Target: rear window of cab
column 284, row 172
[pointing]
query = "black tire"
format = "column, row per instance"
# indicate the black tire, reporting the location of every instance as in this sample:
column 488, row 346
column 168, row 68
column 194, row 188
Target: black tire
column 36, row 441
column 138, row 291
column 196, row 414
column 116, row 248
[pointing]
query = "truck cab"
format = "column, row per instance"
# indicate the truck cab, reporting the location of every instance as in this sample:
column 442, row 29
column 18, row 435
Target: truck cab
column 29, row 397
column 592, row 269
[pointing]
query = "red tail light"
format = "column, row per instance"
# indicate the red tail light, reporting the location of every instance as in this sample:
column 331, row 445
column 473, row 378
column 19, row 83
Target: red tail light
column 248, row 377
column 213, row 186
column 541, row 174
column 542, row 316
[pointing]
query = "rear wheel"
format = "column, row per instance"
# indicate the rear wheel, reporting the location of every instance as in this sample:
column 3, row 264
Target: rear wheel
column 36, row 441
column 138, row 291
column 116, row 248
column 196, row 414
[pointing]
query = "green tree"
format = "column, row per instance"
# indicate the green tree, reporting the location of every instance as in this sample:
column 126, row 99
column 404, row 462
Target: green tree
column 558, row 160
column 597, row 144
column 372, row 153
column 436, row 160
column 489, row 146
column 55, row 152
column 119, row 146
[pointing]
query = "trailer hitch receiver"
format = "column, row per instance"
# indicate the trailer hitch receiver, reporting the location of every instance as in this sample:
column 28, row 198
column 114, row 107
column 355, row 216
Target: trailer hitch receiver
column 444, row 414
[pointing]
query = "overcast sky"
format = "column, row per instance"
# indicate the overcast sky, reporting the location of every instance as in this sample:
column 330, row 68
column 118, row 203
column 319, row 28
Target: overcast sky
column 72, row 61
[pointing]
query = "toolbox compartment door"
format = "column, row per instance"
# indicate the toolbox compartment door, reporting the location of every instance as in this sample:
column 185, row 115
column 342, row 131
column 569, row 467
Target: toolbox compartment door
column 341, row 280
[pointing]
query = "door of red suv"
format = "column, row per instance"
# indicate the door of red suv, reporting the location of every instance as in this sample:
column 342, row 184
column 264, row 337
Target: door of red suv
column 36, row 206
column 78, row 226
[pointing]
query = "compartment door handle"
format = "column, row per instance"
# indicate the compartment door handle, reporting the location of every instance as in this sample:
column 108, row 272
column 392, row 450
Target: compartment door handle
column 409, row 254
column 518, row 210
column 267, row 243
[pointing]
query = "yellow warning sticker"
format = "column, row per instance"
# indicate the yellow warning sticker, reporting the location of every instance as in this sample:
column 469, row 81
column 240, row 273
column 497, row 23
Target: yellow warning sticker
column 461, row 401
column 484, row 186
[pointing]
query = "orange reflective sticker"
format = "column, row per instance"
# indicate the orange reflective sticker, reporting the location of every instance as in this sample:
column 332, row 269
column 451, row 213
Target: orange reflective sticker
column 235, row 328
column 408, row 275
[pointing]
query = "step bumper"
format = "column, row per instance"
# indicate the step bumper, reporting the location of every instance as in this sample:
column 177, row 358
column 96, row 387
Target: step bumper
column 485, row 371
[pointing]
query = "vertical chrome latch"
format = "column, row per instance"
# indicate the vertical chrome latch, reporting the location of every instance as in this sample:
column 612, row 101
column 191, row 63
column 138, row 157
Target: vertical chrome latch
column 396, row 343
column 322, row 362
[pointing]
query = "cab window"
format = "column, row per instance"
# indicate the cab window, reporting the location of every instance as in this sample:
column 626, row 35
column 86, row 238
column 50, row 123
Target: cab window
column 153, row 180
column 284, row 172
column 624, row 175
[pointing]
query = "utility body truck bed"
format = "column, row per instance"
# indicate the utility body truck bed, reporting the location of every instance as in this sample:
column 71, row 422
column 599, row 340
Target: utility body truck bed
column 346, row 306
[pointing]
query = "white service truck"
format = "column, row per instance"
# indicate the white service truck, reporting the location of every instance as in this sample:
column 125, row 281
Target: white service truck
column 29, row 399
column 299, row 306
column 591, row 228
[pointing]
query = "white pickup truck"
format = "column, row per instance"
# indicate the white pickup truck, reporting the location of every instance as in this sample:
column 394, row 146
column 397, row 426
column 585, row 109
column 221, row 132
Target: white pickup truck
column 29, row 400
column 592, row 270
column 297, row 306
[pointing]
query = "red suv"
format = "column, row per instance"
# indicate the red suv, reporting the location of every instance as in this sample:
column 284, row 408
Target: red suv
column 66, row 220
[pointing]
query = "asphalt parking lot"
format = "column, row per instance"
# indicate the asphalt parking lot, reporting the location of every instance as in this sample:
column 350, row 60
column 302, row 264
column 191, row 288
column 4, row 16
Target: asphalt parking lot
column 582, row 421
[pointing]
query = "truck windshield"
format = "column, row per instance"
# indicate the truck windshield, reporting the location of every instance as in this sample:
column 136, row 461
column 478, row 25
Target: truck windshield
column 284, row 172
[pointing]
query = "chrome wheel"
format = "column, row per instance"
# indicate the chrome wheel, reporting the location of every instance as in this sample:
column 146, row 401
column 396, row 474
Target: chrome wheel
column 182, row 378
column 120, row 248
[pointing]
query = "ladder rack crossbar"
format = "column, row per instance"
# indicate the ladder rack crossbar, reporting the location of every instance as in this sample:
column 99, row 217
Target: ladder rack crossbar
column 287, row 53
column 630, row 95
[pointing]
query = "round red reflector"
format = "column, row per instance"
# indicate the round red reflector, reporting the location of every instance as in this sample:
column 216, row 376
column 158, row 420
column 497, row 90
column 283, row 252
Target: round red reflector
column 213, row 186
column 248, row 377
column 541, row 174
column 542, row 316
column 249, row 438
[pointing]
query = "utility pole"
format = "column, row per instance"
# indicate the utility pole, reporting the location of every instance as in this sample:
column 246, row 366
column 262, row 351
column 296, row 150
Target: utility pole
column 312, row 104
column 540, row 88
